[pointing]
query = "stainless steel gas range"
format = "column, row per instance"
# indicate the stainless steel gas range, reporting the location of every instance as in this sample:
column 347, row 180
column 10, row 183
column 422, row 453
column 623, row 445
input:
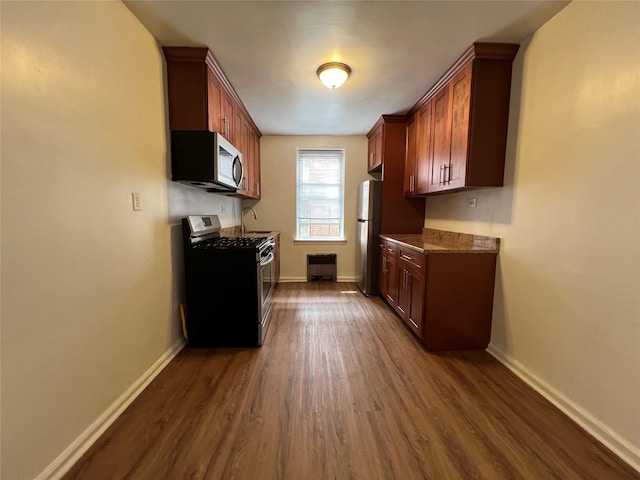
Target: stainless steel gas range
column 229, row 283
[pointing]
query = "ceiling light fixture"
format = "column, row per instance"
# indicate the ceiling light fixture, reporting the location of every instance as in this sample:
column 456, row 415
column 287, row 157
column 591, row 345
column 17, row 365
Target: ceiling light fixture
column 333, row 74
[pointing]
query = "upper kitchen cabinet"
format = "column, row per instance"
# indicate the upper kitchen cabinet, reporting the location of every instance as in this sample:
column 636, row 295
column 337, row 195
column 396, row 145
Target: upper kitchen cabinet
column 411, row 155
column 419, row 151
column 461, row 124
column 201, row 98
column 375, row 149
column 249, row 143
column 398, row 213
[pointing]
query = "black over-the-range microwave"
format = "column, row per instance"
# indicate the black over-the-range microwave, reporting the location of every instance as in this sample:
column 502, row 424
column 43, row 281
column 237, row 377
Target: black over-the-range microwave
column 205, row 159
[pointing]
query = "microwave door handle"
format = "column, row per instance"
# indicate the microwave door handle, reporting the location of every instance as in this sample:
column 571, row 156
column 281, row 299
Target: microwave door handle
column 237, row 169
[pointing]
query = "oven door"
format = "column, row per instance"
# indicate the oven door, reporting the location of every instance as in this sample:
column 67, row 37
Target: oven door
column 265, row 289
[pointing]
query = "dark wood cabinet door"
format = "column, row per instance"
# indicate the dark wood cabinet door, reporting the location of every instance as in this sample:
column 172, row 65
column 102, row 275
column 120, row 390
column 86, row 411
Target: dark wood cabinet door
column 213, row 103
column 424, row 149
column 392, row 280
column 378, row 148
column 237, row 127
column 242, row 143
column 256, row 164
column 410, row 160
column 371, row 151
column 415, row 307
column 375, row 150
column 411, row 288
column 441, row 117
column 187, row 87
column 460, row 107
column 383, row 273
column 404, row 294
column 226, row 116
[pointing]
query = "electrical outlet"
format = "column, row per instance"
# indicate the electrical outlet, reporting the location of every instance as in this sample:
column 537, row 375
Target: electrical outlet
column 137, row 204
column 222, row 208
column 472, row 202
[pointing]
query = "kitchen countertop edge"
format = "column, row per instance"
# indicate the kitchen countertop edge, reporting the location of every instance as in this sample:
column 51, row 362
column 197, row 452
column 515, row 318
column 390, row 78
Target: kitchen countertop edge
column 418, row 242
column 237, row 232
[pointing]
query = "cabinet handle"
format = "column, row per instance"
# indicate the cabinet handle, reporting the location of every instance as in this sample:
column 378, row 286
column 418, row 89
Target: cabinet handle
column 414, row 324
column 402, row 255
column 447, row 174
column 441, row 174
column 413, row 182
column 258, row 188
column 384, row 264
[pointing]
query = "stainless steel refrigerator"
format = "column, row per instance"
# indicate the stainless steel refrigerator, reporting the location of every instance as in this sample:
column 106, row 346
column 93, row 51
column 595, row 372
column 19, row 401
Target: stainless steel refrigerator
column 367, row 230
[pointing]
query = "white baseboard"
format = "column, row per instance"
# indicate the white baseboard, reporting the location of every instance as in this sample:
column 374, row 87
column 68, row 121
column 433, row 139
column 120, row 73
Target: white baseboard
column 292, row 280
column 618, row 445
column 341, row 279
column 80, row 445
column 345, row 279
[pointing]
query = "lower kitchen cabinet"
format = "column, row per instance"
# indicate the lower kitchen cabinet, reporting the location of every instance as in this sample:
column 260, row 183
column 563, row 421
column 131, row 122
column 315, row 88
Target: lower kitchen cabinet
column 383, row 273
column 459, row 301
column 388, row 276
column 444, row 297
column 411, row 288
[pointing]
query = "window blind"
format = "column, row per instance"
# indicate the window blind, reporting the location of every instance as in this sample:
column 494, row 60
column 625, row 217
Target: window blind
column 320, row 194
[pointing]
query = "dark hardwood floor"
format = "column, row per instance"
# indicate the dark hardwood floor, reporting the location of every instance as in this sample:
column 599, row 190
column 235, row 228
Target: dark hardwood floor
column 342, row 390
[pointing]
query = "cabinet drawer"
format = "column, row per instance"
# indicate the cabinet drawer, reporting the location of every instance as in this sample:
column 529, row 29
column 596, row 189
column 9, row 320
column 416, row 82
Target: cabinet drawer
column 390, row 248
column 412, row 258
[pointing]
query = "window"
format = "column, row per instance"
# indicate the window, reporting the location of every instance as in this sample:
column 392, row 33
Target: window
column 320, row 195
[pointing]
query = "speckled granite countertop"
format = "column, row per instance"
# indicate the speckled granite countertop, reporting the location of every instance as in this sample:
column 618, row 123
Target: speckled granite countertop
column 441, row 241
column 237, row 232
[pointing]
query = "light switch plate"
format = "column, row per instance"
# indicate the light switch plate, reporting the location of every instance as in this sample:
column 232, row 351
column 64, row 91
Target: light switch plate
column 137, row 204
column 472, row 202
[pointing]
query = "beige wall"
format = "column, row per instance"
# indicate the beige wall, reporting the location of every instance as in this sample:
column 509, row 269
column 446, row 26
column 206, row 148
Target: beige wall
column 567, row 305
column 277, row 209
column 89, row 287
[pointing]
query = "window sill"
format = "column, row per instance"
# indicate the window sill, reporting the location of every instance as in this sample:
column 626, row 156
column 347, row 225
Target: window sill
column 297, row 241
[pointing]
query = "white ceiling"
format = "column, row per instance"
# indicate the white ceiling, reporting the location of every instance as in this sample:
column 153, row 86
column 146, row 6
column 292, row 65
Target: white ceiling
column 270, row 51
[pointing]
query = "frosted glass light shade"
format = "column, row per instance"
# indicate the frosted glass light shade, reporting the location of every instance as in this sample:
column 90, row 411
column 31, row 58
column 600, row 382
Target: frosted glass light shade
column 333, row 74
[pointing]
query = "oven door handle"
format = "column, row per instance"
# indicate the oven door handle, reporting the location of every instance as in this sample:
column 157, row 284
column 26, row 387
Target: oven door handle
column 267, row 260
